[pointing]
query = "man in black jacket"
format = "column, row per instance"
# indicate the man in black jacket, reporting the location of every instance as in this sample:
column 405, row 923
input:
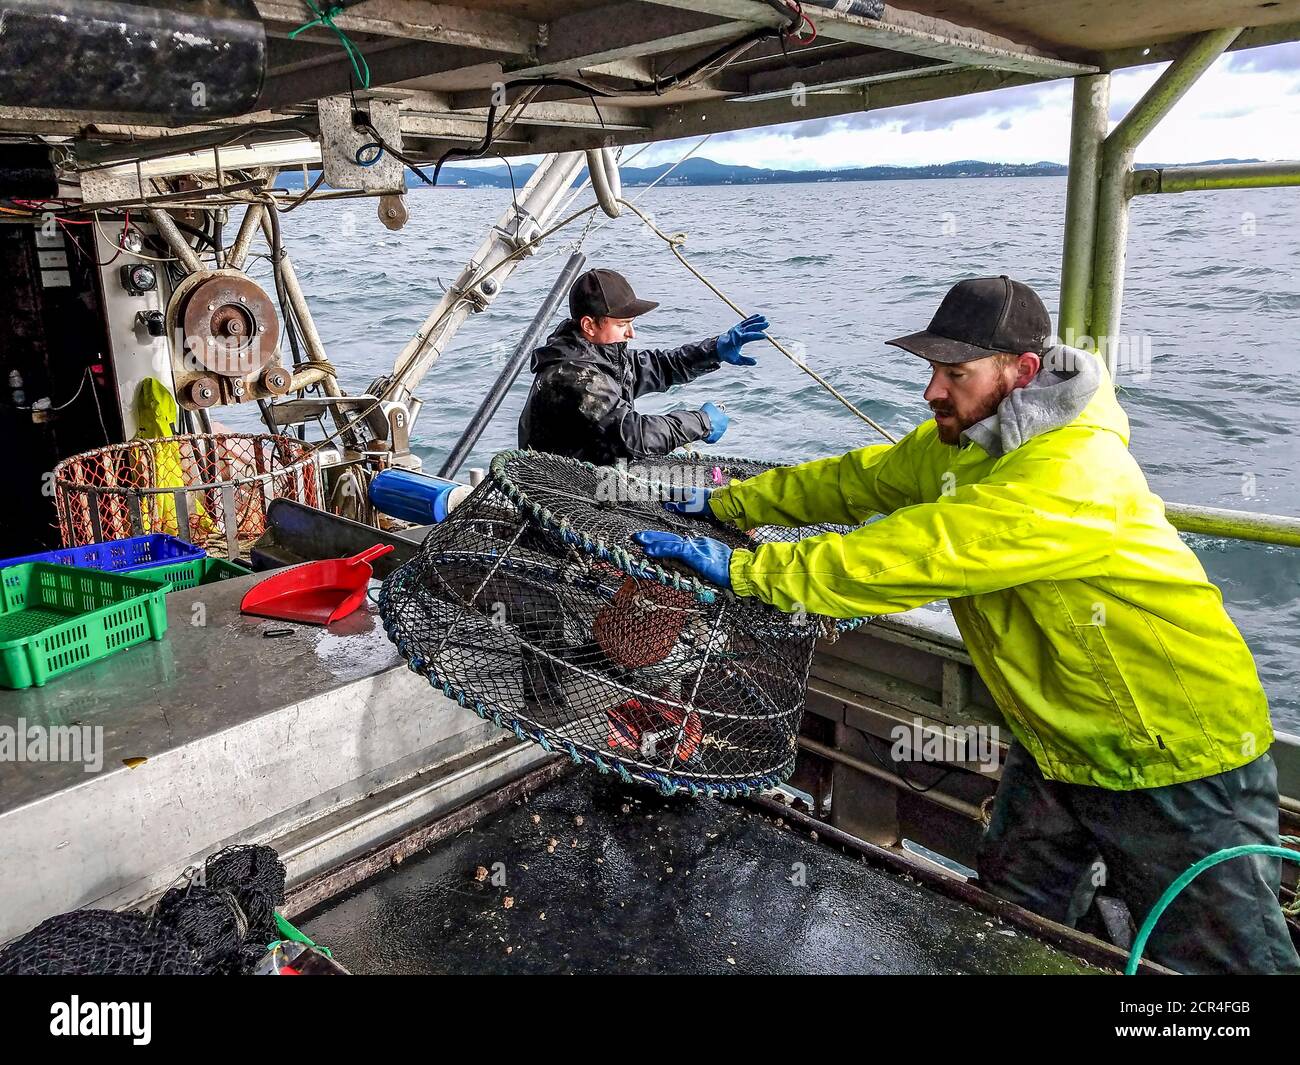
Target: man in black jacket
column 586, row 381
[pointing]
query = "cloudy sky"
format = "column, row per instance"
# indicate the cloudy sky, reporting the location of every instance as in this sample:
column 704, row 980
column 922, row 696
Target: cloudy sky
column 1247, row 106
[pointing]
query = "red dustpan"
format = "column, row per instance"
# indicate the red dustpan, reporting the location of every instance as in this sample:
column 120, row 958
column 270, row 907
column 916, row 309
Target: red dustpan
column 315, row 593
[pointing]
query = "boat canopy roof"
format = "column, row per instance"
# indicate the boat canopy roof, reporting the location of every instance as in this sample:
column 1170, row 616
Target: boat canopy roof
column 663, row 64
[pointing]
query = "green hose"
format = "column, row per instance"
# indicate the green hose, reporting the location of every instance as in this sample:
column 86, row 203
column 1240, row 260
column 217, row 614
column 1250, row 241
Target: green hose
column 1171, row 892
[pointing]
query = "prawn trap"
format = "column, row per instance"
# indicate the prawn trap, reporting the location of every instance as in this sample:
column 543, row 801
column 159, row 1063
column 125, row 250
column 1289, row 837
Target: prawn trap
column 531, row 605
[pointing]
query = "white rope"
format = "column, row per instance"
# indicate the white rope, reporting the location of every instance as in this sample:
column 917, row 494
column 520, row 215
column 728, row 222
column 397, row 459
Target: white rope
column 675, row 242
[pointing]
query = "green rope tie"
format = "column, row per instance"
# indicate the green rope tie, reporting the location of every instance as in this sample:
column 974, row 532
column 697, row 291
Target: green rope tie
column 326, row 18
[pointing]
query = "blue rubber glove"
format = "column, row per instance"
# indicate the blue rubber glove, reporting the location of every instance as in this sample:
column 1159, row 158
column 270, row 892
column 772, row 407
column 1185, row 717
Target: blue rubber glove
column 710, row 558
column 693, row 500
column 718, row 422
column 729, row 343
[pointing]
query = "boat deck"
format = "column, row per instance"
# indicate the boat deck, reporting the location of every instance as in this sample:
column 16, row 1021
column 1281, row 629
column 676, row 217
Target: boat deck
column 218, row 734
column 606, row 878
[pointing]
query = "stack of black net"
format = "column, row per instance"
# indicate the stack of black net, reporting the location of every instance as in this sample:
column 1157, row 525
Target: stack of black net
column 219, row 922
column 532, row 606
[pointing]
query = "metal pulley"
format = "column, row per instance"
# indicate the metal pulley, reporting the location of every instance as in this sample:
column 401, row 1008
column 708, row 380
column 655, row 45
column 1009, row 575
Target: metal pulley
column 392, row 211
column 201, row 392
column 275, row 379
column 226, row 335
column 230, row 326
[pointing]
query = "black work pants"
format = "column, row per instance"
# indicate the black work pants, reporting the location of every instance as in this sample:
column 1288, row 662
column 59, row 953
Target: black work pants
column 1049, row 843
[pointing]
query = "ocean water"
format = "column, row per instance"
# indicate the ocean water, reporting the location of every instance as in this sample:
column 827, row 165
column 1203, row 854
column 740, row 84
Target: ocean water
column 1212, row 304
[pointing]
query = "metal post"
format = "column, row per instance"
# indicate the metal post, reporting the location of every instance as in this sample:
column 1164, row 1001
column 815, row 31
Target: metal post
column 311, row 338
column 244, row 238
column 1087, row 132
column 1113, row 193
column 1215, row 176
column 510, row 372
column 486, row 272
column 1234, row 524
column 175, row 240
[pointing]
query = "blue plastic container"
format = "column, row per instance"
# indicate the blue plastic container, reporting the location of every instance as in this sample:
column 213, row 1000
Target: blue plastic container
column 118, row 556
column 414, row 497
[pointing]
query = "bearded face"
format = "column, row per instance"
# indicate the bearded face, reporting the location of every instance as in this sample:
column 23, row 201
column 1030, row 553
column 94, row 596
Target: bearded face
column 961, row 395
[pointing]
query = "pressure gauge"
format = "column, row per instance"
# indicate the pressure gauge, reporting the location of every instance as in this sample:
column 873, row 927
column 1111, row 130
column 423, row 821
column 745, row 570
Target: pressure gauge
column 139, row 278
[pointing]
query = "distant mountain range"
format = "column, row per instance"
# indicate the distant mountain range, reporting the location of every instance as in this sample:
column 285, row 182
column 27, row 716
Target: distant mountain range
column 700, row 172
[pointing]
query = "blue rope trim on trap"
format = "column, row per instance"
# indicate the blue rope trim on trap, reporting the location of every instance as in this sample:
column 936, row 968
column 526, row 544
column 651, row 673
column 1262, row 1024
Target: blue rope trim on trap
column 615, row 555
column 619, row 557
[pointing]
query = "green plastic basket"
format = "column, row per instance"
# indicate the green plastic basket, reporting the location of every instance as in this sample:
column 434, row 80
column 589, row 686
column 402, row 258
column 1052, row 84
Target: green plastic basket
column 195, row 572
column 54, row 619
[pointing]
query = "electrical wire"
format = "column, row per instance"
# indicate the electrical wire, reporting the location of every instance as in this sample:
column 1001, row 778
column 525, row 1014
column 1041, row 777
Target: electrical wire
column 514, row 191
column 126, row 250
column 300, row 200
column 62, row 406
column 85, row 254
column 370, row 152
column 897, row 770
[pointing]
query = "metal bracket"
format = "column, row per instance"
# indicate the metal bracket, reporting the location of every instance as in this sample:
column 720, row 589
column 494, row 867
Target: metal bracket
column 482, row 294
column 287, row 412
column 526, row 230
column 399, row 428
column 341, row 140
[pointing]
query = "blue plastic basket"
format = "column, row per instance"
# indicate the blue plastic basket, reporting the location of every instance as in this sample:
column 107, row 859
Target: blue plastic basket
column 118, row 556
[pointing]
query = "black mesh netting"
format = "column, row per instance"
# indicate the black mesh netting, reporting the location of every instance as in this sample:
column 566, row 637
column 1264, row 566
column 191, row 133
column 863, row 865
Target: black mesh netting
column 216, row 923
column 532, row 606
column 609, row 503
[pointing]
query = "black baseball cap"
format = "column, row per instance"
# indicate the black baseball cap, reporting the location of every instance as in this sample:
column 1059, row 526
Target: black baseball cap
column 980, row 317
column 605, row 294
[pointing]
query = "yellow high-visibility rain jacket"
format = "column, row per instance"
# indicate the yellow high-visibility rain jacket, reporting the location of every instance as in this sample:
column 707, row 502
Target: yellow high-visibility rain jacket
column 1104, row 644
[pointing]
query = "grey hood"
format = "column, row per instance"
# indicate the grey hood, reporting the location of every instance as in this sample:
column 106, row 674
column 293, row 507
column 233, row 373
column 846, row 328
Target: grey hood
column 1062, row 388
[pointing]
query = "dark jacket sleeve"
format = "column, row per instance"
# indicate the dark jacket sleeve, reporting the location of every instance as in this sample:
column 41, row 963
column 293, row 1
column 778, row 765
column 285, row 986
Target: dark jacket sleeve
column 658, row 371
column 636, row 435
column 581, row 410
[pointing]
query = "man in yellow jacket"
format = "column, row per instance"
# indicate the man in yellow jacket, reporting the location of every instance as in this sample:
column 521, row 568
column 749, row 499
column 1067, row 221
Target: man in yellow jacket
column 1141, row 725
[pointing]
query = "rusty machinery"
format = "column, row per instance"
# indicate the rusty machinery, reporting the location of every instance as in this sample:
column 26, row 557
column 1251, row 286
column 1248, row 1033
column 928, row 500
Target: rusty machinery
column 225, row 336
